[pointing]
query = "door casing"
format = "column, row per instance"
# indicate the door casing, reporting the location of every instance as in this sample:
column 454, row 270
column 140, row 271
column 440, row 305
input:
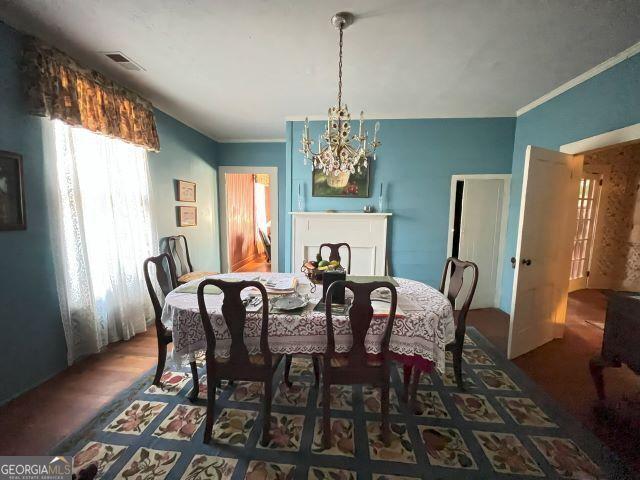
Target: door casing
column 506, row 179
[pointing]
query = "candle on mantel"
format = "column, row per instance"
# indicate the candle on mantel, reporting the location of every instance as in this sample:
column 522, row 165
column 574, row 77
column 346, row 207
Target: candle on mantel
column 380, row 188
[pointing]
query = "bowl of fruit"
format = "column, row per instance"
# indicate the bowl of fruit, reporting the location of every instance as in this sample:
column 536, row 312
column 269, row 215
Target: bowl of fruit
column 314, row 269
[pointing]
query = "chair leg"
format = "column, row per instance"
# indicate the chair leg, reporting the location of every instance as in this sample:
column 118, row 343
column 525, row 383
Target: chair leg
column 193, row 395
column 384, row 411
column 316, row 370
column 266, row 422
column 406, row 380
column 162, row 358
column 326, row 414
column 413, row 394
column 287, row 367
column 457, row 366
column 211, row 405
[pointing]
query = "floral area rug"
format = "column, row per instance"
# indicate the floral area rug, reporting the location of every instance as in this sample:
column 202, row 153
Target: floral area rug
column 502, row 426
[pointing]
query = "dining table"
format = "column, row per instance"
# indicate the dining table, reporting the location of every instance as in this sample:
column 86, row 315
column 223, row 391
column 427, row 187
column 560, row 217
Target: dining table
column 419, row 335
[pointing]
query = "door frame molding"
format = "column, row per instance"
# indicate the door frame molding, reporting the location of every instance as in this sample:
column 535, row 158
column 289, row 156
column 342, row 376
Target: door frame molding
column 222, row 201
column 604, row 140
column 506, row 179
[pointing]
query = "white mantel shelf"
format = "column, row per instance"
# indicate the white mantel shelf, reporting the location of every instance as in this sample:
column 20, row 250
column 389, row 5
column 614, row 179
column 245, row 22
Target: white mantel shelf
column 361, row 214
column 366, row 233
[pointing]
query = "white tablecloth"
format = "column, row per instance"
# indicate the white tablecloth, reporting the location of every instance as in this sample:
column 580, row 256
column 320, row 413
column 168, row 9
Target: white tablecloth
column 424, row 331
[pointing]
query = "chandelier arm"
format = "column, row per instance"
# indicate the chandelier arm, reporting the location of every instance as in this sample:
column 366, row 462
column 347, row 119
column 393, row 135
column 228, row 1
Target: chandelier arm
column 340, row 68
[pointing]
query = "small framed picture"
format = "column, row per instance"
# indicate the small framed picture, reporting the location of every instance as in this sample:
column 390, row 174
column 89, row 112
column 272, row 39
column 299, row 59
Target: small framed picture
column 12, row 208
column 186, row 191
column 187, row 216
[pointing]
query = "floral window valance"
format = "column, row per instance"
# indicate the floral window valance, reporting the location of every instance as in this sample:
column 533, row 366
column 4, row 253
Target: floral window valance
column 59, row 88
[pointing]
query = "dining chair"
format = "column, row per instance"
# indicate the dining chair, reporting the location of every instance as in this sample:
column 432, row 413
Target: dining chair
column 266, row 243
column 451, row 286
column 165, row 277
column 178, row 248
column 334, row 253
column 240, row 365
column 357, row 366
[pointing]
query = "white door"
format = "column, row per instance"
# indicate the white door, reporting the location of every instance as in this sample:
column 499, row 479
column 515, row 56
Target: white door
column 481, row 225
column 543, row 255
column 588, row 200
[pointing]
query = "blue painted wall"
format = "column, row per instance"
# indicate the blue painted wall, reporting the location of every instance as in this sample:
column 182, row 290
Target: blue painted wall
column 606, row 102
column 415, row 162
column 186, row 155
column 33, row 345
column 261, row 155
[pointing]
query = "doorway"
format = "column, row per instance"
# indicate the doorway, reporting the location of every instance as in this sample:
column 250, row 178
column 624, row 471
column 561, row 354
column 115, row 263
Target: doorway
column 249, row 219
column 548, row 236
column 477, row 229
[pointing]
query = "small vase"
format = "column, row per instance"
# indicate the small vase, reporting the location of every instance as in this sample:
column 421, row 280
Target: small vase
column 381, row 203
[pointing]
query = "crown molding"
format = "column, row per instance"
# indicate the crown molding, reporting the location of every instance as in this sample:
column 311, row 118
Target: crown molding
column 250, row 140
column 607, row 64
column 390, row 116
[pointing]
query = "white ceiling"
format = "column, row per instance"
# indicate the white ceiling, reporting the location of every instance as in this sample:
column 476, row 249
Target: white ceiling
column 235, row 69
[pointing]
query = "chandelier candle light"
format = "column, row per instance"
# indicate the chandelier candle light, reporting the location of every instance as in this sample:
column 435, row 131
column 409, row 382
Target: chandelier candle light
column 339, row 154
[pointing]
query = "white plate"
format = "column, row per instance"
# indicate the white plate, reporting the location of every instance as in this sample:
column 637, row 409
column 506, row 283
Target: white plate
column 289, row 302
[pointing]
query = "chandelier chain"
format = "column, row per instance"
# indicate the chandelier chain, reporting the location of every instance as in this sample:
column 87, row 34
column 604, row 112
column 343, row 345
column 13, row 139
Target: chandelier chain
column 340, row 71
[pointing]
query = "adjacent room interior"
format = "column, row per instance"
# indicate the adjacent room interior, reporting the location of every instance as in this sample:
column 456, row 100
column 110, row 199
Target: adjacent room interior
column 288, row 241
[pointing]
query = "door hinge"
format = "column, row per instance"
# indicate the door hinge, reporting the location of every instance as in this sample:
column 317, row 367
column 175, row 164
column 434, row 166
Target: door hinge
column 588, row 272
column 600, row 182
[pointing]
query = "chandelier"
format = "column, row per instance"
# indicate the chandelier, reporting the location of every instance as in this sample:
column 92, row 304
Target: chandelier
column 340, row 154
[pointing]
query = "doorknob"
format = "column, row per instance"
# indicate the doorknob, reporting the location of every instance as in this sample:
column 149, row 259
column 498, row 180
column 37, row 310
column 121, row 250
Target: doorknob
column 526, row 261
column 513, row 262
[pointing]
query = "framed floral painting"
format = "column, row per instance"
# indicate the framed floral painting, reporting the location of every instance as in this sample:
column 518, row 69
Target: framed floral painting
column 12, row 208
column 345, row 184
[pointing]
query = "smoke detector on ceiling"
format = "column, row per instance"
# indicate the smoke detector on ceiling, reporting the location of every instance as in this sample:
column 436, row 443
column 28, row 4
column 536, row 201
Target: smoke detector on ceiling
column 122, row 60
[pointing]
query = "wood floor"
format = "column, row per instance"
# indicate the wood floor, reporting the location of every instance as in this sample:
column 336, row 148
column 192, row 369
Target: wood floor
column 260, row 265
column 38, row 420
column 561, row 367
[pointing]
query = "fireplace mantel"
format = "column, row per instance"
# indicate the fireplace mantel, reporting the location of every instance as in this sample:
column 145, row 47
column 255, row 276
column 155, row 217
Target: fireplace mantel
column 366, row 233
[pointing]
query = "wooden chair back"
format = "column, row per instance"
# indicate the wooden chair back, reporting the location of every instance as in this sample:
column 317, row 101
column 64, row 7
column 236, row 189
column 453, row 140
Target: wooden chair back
column 334, row 253
column 266, row 243
column 360, row 317
column 178, row 248
column 165, row 277
column 235, row 315
column 454, row 270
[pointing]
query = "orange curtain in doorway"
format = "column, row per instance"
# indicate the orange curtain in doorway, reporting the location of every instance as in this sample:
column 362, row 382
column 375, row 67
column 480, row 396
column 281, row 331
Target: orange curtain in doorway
column 241, row 224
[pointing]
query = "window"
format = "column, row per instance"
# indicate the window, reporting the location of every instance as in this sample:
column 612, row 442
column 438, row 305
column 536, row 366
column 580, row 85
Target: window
column 102, row 226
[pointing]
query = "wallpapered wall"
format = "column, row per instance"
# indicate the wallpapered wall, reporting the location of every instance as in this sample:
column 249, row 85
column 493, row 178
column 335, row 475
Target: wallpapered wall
column 606, row 102
column 616, row 250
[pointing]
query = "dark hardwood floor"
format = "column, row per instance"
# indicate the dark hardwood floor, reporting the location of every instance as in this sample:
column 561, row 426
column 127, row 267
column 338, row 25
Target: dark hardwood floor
column 38, row 420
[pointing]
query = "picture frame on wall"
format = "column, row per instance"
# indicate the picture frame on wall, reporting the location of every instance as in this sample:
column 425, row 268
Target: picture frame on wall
column 12, row 206
column 186, row 191
column 344, row 185
column 187, row 216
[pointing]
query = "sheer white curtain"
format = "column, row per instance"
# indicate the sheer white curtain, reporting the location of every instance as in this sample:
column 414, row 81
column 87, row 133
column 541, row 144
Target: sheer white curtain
column 102, row 231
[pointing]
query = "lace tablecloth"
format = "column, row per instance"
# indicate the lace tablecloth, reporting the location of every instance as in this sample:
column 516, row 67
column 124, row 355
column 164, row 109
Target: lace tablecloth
column 423, row 332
